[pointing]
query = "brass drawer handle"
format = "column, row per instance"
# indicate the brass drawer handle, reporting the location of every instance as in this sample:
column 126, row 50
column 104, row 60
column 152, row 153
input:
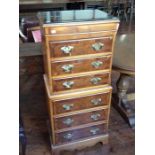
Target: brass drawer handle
column 67, row 68
column 95, row 80
column 94, row 131
column 68, row 136
column 97, row 46
column 96, row 64
column 67, row 107
column 97, row 101
column 67, row 49
column 68, row 121
column 68, row 84
column 95, row 117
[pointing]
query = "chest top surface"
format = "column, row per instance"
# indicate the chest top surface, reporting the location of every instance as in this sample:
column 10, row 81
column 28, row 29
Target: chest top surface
column 74, row 16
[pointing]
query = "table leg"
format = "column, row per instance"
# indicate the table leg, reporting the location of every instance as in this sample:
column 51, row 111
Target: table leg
column 121, row 102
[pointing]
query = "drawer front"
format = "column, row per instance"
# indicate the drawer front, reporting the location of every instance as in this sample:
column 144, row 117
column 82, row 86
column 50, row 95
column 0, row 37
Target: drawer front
column 75, row 104
column 69, row 29
column 81, row 65
column 79, row 36
column 81, row 47
column 81, row 82
column 74, row 135
column 80, row 119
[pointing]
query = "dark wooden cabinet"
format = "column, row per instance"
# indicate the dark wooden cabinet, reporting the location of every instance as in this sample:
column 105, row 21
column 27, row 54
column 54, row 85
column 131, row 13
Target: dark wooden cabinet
column 78, row 58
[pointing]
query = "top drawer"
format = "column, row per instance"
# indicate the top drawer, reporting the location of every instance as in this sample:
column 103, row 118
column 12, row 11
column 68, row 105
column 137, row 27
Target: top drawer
column 81, row 47
column 68, row 29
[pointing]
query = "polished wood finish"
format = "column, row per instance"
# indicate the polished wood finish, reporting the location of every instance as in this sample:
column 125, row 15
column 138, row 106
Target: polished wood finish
column 78, row 59
column 88, row 27
column 75, row 95
column 79, row 46
column 103, row 78
column 75, row 120
column 77, row 36
column 80, row 65
column 72, row 135
column 81, row 103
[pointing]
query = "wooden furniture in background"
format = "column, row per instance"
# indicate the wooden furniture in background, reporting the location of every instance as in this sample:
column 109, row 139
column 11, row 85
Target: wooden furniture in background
column 124, row 62
column 77, row 54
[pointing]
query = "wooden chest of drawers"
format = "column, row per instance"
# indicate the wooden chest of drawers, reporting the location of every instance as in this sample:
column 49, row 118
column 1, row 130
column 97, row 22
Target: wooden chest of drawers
column 78, row 58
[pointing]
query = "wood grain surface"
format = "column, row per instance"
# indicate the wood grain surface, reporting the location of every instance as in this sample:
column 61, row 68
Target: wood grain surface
column 80, row 47
column 80, row 65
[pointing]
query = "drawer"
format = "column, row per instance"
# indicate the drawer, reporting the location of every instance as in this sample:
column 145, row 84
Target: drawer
column 81, row 47
column 71, row 29
column 80, row 82
column 81, row 103
column 80, row 65
column 77, row 134
column 80, row 119
column 79, row 36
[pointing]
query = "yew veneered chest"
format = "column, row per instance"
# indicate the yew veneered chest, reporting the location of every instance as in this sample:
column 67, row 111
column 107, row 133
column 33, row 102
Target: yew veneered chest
column 78, row 50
